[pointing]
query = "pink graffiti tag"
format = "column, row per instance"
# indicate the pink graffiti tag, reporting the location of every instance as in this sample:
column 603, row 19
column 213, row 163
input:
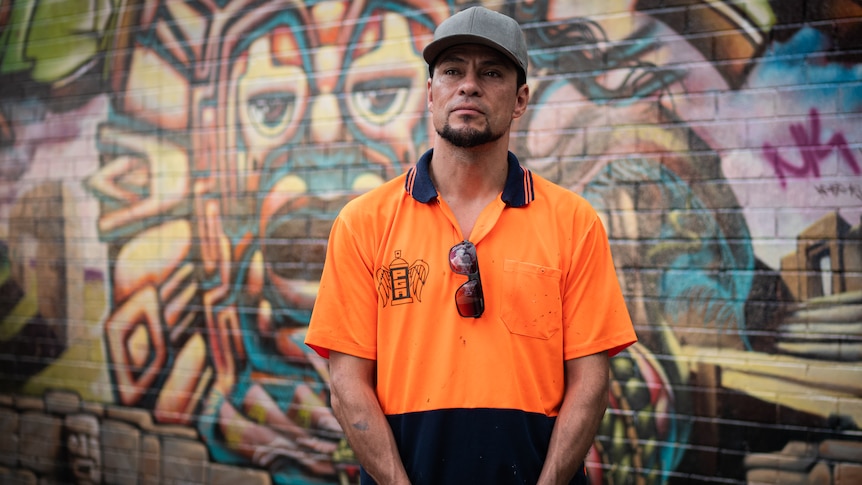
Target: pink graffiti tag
column 812, row 150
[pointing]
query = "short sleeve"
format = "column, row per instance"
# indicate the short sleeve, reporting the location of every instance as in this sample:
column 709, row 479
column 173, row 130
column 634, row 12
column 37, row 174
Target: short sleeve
column 596, row 318
column 344, row 318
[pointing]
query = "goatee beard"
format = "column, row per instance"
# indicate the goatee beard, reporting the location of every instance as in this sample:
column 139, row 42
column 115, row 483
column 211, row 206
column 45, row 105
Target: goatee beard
column 468, row 137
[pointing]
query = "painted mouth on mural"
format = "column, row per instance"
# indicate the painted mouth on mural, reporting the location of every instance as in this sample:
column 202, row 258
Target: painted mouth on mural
column 293, row 244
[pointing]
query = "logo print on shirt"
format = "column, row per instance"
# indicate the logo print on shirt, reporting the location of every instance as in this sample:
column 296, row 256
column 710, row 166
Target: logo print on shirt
column 401, row 282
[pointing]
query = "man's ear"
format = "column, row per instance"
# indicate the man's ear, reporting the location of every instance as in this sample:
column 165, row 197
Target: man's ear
column 429, row 98
column 521, row 100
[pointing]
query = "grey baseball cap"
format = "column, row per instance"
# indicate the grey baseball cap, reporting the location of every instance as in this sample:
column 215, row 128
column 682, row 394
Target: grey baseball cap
column 478, row 25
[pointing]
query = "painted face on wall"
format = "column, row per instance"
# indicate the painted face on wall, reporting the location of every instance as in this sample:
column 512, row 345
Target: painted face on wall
column 321, row 88
column 84, row 446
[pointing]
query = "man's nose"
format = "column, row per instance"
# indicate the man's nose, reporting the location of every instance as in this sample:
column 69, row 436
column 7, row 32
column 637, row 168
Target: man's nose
column 470, row 84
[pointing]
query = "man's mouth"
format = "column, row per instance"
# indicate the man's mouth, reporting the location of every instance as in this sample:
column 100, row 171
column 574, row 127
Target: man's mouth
column 467, row 111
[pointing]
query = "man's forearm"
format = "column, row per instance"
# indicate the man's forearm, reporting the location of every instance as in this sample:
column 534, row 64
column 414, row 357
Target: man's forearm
column 358, row 411
column 584, row 405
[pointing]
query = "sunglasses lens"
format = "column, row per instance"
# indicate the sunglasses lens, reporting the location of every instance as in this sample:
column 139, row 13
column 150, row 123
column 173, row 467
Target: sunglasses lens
column 469, row 299
column 462, row 258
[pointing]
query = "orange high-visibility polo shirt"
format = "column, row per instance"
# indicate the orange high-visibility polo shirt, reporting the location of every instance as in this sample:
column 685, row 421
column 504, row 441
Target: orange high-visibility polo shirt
column 387, row 294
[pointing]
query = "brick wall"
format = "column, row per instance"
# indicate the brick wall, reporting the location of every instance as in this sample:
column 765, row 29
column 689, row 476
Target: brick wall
column 169, row 172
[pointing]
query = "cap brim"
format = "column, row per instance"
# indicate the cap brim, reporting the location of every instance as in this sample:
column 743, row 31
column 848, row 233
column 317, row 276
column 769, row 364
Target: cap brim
column 435, row 48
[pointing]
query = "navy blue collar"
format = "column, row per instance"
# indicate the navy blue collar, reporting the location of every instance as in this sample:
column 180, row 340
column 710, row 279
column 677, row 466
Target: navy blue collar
column 518, row 191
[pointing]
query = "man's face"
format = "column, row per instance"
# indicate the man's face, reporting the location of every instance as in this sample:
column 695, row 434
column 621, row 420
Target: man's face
column 473, row 96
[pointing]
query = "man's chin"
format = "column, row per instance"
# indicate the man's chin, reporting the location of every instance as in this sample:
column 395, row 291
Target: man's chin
column 467, row 137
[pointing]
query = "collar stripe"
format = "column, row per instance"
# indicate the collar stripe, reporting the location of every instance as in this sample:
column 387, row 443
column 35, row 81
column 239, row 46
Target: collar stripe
column 517, row 192
column 410, row 180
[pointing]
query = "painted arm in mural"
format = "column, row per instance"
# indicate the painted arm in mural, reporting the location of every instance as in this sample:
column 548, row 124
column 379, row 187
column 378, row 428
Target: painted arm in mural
column 584, row 404
column 358, row 410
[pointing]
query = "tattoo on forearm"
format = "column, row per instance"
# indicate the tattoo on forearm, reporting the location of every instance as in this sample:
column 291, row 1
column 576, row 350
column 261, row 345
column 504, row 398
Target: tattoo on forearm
column 361, row 425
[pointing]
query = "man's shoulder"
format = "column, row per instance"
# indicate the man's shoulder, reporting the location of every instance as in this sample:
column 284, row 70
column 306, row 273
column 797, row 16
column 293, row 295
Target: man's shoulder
column 554, row 193
column 387, row 191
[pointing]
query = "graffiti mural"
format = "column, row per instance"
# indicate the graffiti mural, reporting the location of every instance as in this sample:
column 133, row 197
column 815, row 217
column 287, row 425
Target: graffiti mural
column 169, row 171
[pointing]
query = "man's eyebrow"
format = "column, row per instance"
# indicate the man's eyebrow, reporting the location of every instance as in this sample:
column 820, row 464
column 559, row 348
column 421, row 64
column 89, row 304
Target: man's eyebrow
column 494, row 61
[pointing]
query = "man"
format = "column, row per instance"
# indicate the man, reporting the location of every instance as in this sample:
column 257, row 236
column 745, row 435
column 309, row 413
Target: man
column 508, row 383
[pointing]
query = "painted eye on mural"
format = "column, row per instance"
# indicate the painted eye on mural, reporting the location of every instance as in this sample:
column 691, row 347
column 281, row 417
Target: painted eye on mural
column 379, row 100
column 270, row 109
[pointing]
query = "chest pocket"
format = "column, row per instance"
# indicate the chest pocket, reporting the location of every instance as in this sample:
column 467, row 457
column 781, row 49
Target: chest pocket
column 531, row 304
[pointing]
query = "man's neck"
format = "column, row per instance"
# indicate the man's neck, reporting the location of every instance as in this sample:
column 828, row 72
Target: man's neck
column 469, row 179
column 469, row 174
